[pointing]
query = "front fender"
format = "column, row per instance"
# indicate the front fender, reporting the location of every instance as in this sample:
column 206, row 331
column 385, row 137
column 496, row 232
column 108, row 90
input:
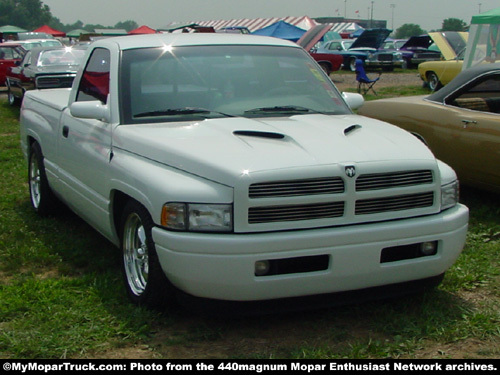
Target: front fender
column 153, row 184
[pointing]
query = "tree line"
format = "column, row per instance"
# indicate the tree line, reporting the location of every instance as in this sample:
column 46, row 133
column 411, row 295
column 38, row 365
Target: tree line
column 31, row 14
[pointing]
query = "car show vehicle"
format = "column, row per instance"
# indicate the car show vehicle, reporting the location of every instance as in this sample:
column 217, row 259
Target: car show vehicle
column 42, row 68
column 451, row 44
column 341, row 47
column 228, row 168
column 28, row 44
column 329, row 62
column 368, row 48
column 10, row 55
column 415, row 50
column 460, row 123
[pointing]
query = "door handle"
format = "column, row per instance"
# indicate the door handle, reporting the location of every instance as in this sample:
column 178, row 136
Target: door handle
column 468, row 122
column 65, row 131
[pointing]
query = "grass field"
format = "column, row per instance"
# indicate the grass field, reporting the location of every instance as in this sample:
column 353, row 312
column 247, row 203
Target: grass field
column 61, row 296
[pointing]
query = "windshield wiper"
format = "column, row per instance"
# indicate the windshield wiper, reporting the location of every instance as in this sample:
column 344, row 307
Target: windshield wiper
column 180, row 112
column 288, row 109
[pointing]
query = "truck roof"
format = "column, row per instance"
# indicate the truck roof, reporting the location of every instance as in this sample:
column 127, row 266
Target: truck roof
column 190, row 39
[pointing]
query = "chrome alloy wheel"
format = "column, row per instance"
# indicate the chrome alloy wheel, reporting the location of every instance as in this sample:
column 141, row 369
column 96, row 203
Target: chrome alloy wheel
column 135, row 254
column 35, row 181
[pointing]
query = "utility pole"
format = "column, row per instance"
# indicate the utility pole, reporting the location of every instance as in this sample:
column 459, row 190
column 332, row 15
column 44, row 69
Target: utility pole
column 392, row 20
column 371, row 16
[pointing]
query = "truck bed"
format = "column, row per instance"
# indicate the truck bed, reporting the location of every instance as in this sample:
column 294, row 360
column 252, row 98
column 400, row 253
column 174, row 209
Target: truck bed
column 54, row 98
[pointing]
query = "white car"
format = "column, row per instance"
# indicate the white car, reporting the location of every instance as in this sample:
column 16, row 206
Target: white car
column 228, row 167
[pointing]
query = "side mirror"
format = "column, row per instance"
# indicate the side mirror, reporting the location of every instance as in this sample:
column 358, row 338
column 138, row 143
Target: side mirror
column 92, row 110
column 353, row 100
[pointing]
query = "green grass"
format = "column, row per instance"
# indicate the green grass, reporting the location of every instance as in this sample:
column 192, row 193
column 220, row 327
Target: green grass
column 61, row 296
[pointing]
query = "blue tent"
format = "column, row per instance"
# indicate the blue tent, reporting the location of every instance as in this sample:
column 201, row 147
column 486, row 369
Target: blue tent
column 283, row 30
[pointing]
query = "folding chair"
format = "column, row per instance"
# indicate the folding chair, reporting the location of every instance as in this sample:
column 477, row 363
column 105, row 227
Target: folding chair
column 365, row 84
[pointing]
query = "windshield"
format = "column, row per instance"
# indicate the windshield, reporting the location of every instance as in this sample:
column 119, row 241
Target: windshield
column 188, row 83
column 66, row 56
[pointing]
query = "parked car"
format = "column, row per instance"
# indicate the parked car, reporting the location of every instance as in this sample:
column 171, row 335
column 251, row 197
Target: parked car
column 309, row 40
column 415, row 50
column 34, row 43
column 10, row 54
column 42, row 68
column 234, row 30
column 451, row 44
column 460, row 123
column 341, row 47
column 368, row 48
column 229, row 168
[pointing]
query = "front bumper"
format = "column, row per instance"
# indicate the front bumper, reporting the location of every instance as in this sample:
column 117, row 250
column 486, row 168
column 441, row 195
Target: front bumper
column 222, row 266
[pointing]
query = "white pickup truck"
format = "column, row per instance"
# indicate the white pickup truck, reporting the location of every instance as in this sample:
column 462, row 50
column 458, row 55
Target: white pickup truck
column 229, row 168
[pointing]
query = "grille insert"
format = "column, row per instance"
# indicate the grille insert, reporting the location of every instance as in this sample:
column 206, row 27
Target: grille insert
column 313, row 186
column 295, row 212
column 379, row 181
column 394, row 203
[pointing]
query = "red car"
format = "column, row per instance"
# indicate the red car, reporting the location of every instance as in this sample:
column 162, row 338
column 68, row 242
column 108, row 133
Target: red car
column 328, row 61
column 10, row 54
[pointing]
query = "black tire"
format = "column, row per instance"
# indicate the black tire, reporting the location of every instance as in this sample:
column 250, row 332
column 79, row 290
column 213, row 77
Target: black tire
column 145, row 282
column 433, row 81
column 11, row 98
column 326, row 67
column 42, row 198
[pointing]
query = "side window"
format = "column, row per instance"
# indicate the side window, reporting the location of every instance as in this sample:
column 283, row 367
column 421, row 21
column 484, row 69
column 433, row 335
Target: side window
column 95, row 79
column 26, row 60
column 483, row 96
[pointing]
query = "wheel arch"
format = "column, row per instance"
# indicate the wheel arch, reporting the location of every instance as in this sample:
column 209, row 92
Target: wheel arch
column 118, row 201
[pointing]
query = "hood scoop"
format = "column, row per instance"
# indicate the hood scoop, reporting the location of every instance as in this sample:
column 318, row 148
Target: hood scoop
column 258, row 134
column 351, row 129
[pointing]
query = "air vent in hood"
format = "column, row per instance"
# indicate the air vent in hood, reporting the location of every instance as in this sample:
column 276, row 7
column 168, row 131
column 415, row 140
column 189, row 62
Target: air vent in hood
column 259, row 134
column 351, row 128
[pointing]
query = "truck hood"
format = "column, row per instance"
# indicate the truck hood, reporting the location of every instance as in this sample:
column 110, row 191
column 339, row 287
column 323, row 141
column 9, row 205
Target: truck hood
column 417, row 42
column 371, row 38
column 225, row 149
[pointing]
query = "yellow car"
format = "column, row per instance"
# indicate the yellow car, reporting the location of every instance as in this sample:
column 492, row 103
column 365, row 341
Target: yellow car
column 460, row 123
column 436, row 74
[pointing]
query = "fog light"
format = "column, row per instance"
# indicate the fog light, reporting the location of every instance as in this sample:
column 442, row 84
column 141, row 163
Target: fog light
column 428, row 248
column 262, row 267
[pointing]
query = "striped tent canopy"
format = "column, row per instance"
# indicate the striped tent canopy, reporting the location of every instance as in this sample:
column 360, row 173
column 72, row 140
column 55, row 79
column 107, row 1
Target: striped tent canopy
column 253, row 24
column 346, row 27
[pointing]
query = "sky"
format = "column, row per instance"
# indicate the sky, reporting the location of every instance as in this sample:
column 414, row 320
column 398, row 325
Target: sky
column 428, row 14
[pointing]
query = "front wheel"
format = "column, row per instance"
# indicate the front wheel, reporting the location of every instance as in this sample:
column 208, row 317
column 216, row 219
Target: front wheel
column 145, row 281
column 11, row 98
column 433, row 81
column 326, row 67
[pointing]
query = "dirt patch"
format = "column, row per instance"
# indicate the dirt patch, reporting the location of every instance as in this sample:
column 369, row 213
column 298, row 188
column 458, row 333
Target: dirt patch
column 345, row 81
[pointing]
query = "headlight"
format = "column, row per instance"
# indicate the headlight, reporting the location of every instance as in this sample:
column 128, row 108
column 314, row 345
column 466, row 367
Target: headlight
column 449, row 195
column 197, row 217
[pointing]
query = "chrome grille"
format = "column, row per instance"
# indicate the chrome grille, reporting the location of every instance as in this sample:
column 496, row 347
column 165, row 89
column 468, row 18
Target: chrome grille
column 46, row 82
column 385, row 57
column 394, row 203
column 327, row 185
column 295, row 212
column 379, row 181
